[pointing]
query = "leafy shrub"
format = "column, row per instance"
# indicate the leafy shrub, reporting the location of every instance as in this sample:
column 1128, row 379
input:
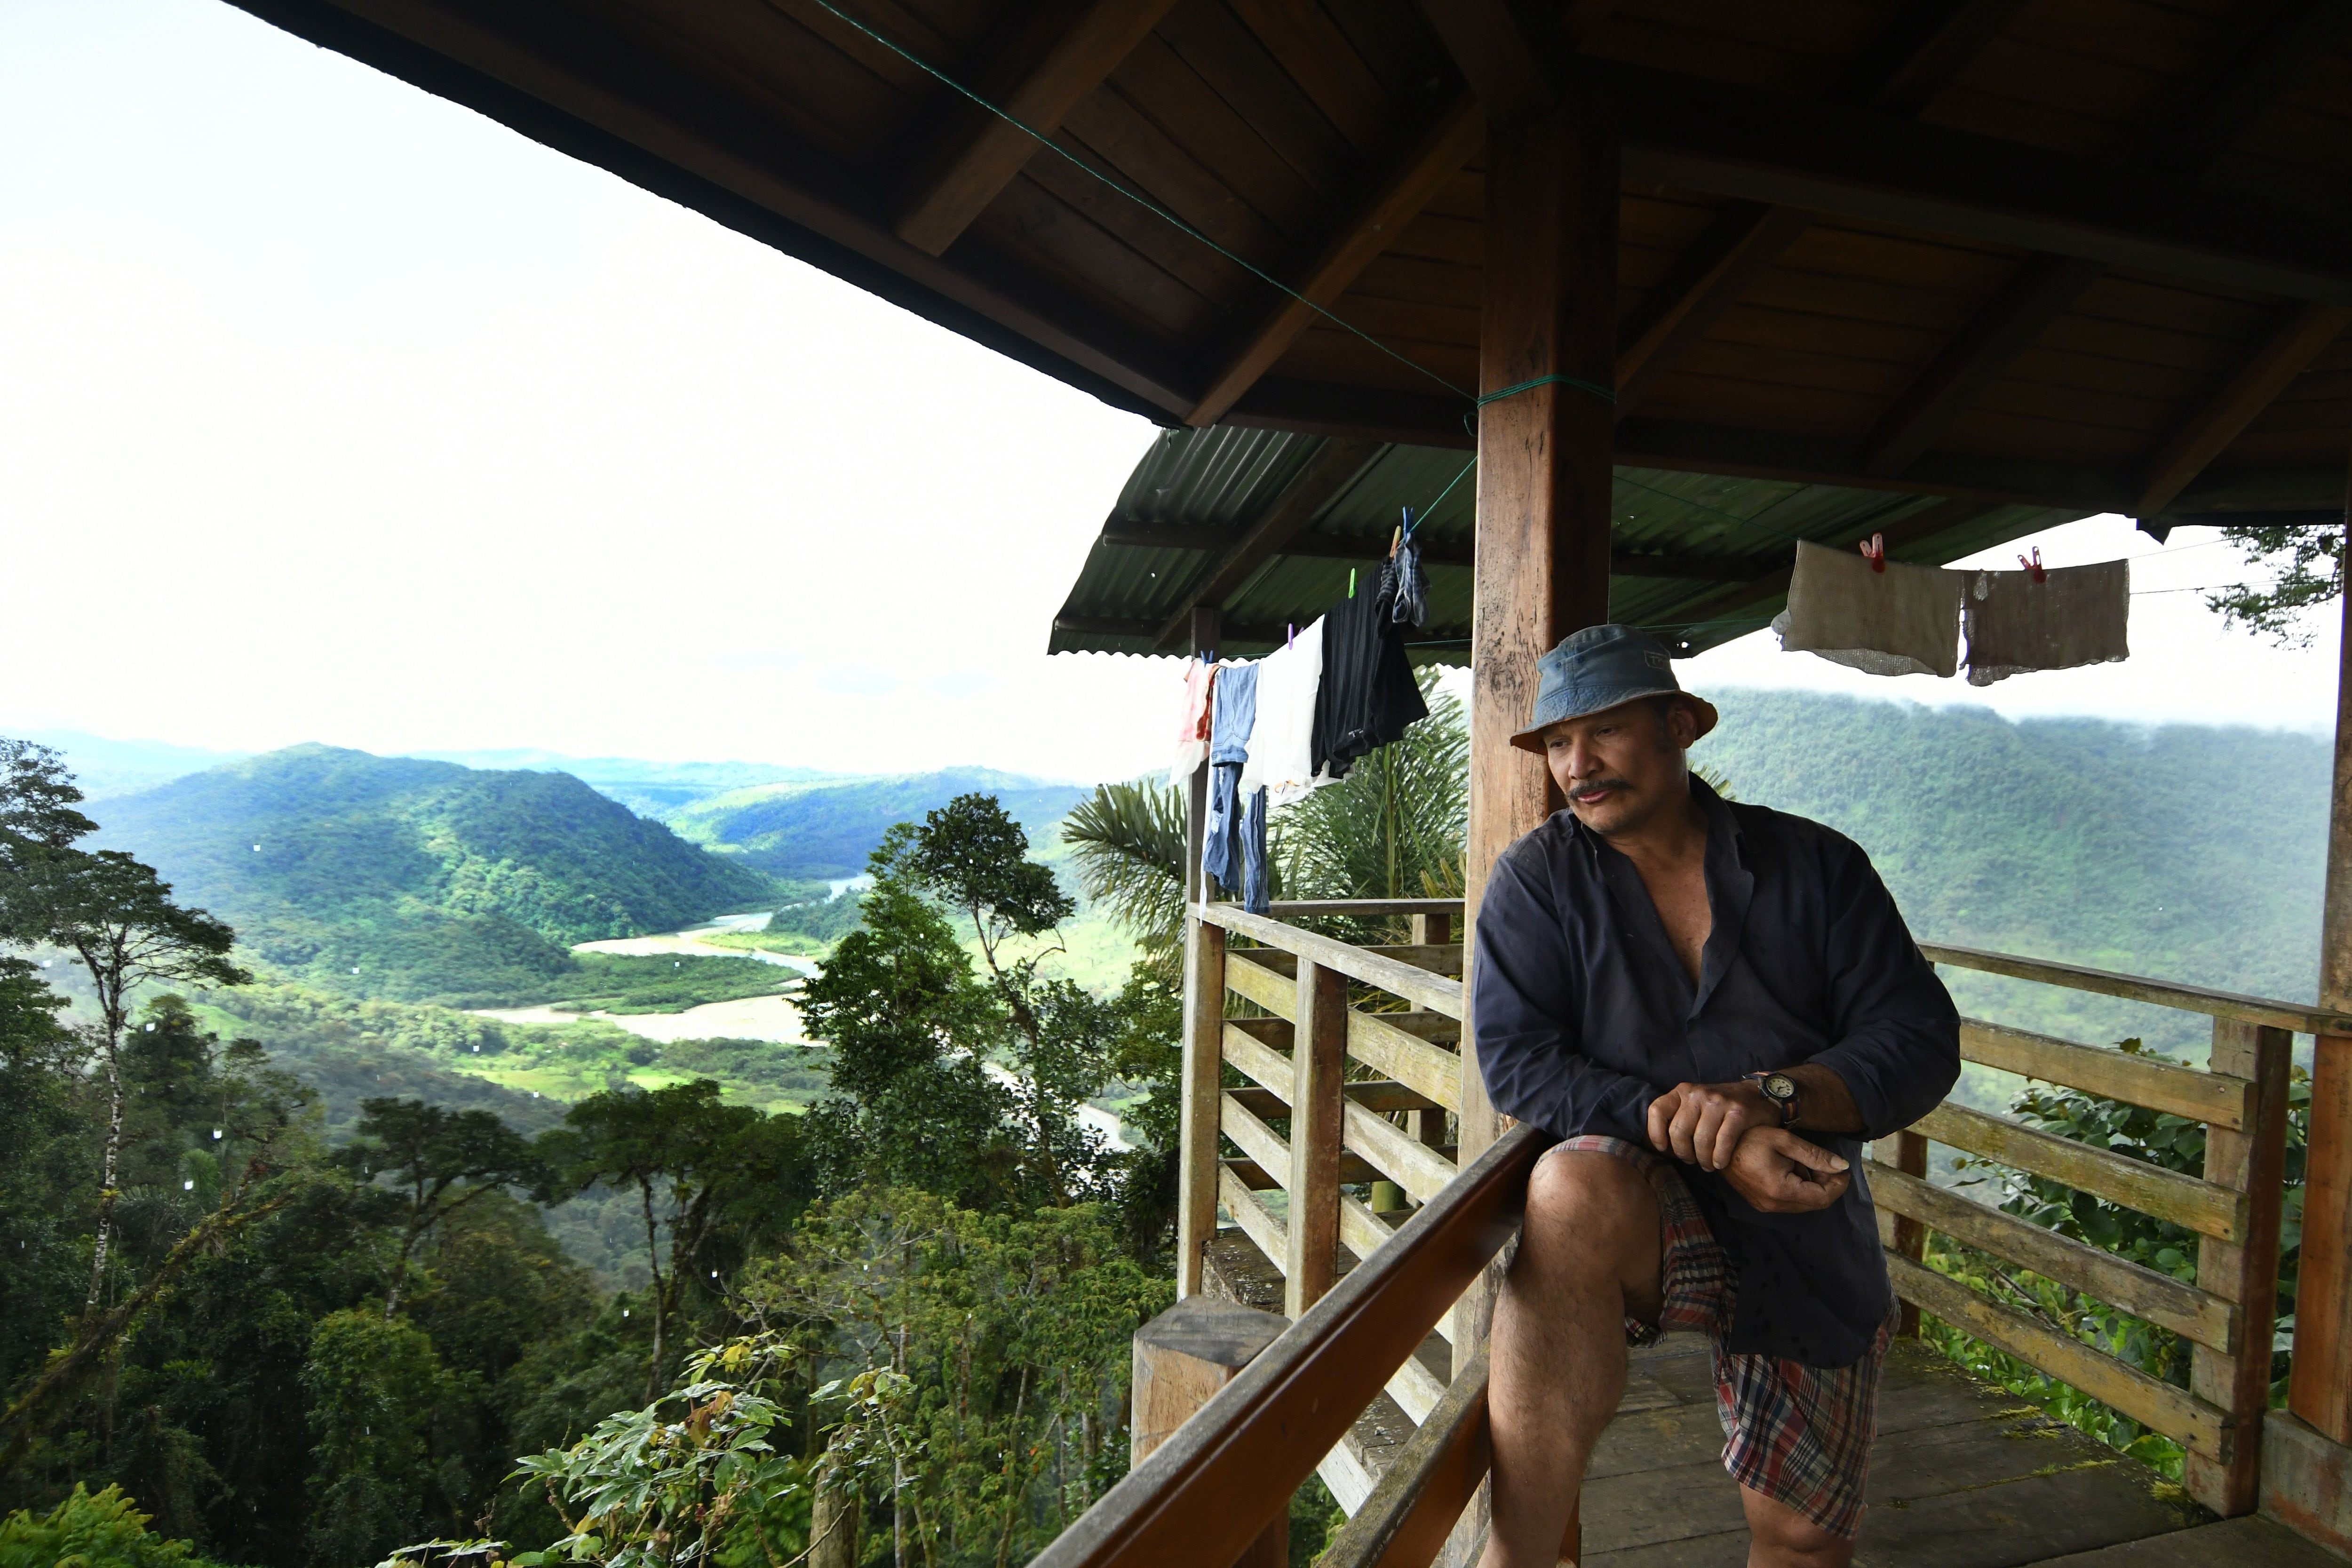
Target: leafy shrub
column 102, row 1530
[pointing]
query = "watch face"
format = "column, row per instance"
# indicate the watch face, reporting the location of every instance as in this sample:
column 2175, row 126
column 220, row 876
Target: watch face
column 1780, row 1086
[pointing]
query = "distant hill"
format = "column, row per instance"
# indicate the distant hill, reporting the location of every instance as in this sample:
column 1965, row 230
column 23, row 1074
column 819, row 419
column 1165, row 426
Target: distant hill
column 419, row 880
column 648, row 788
column 106, row 767
column 2184, row 852
column 825, row 830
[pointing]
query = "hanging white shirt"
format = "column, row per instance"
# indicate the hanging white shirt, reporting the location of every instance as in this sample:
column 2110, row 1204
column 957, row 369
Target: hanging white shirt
column 1282, row 742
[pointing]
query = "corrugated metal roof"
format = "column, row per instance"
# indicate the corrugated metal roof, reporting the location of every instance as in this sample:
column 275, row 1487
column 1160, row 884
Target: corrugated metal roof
column 1701, row 558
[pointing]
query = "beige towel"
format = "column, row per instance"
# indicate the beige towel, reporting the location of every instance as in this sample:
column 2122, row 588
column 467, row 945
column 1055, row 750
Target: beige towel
column 2078, row 614
column 1905, row 620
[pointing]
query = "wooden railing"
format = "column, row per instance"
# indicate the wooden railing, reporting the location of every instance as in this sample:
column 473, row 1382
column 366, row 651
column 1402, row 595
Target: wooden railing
column 1356, row 1053
column 2232, row 1207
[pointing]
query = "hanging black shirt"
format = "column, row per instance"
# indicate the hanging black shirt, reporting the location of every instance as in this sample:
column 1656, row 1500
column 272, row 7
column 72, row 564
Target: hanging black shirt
column 1584, row 1013
column 1368, row 694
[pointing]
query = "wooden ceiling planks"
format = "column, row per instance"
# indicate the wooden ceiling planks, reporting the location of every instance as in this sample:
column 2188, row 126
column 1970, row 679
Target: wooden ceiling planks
column 1961, row 300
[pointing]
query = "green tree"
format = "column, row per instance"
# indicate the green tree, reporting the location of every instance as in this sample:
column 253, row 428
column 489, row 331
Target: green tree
column 970, row 855
column 2308, row 567
column 703, row 1171
column 376, row 1388
column 912, row 1028
column 979, row 1361
column 113, row 913
column 439, row 1161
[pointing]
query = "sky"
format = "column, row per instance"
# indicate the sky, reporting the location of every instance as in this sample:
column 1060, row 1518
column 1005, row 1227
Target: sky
column 332, row 411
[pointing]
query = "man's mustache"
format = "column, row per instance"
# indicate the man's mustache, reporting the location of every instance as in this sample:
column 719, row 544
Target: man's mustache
column 1597, row 786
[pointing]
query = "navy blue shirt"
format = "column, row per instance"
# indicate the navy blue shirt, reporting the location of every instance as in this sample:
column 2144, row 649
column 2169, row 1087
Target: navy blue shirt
column 1584, row 1014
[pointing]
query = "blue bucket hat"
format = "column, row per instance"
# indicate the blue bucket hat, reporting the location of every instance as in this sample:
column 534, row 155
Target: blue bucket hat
column 1601, row 668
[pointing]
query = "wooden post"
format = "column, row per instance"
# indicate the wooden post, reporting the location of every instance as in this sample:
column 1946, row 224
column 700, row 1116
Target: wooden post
column 1205, row 1059
column 2320, row 1391
column 2253, row 1161
column 1208, row 627
column 1544, row 454
column 1183, row 1356
column 1910, row 1150
column 1431, row 930
column 1204, row 1024
column 1319, row 1056
column 1542, row 547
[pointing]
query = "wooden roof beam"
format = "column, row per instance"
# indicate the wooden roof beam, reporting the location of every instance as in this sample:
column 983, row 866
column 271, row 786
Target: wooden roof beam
column 1396, row 201
column 1708, row 280
column 1911, row 61
column 2040, row 291
column 1328, row 472
column 1729, row 142
column 981, row 156
column 2255, row 386
column 2046, row 286
column 1495, row 56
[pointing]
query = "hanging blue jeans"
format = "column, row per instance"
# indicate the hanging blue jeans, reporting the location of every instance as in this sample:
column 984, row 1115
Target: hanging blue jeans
column 1255, row 896
column 1222, row 855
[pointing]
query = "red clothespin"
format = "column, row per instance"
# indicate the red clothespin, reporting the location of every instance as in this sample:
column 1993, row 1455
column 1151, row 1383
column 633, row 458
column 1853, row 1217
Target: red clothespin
column 1873, row 550
column 2033, row 567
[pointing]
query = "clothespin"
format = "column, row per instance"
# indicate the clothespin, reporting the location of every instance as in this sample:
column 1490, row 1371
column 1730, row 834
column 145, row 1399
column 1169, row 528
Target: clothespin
column 1395, row 541
column 1351, row 582
column 2033, row 568
column 1873, row 550
column 1290, row 635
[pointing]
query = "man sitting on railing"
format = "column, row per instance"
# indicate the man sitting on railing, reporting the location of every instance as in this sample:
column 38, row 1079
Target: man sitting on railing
column 1676, row 985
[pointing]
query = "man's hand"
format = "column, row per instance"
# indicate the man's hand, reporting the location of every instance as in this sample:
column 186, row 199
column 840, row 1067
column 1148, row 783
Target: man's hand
column 1701, row 1123
column 1779, row 1172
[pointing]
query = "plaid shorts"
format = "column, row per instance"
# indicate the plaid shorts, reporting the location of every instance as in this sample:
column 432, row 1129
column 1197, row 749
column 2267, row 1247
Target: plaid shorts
column 1800, row 1434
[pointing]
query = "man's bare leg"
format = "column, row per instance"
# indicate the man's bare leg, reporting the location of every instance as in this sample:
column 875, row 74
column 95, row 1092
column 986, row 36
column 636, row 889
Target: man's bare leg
column 1591, row 1254
column 1780, row 1537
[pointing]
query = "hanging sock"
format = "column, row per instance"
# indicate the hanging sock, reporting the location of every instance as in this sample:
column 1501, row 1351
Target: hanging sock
column 1192, row 723
column 1871, row 613
column 1403, row 583
column 2046, row 618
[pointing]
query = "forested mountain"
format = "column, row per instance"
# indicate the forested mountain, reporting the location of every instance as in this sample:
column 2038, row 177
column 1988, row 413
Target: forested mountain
column 2186, row 852
column 394, row 876
column 827, row 829
column 648, row 788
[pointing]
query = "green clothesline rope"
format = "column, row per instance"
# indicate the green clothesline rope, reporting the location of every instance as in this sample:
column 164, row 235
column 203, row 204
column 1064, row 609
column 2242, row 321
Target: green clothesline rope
column 1146, row 203
column 1606, row 393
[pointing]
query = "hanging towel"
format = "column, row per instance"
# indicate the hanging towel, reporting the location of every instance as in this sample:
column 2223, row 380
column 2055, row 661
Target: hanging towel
column 1192, row 723
column 2076, row 615
column 1230, row 725
column 1368, row 694
column 1282, row 741
column 1905, row 620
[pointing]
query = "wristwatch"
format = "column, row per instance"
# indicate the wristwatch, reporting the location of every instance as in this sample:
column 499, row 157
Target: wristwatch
column 1780, row 1089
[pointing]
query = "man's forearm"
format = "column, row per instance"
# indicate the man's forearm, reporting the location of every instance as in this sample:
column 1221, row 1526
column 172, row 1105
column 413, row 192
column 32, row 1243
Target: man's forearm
column 1824, row 1104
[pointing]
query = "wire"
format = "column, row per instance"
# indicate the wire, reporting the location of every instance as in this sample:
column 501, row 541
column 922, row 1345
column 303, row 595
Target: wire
column 1146, row 203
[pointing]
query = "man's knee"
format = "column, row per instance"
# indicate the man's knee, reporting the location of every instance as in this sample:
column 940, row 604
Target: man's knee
column 1787, row 1539
column 1584, row 1200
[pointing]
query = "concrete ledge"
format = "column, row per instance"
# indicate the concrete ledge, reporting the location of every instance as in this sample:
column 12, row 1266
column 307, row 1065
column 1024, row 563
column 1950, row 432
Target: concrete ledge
column 2307, row 1482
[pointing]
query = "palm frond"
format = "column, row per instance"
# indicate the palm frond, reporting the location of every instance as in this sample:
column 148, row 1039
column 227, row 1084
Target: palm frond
column 1128, row 842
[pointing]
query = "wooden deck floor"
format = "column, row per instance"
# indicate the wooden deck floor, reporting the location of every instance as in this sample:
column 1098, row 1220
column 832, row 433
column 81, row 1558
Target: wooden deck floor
column 1963, row 1476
